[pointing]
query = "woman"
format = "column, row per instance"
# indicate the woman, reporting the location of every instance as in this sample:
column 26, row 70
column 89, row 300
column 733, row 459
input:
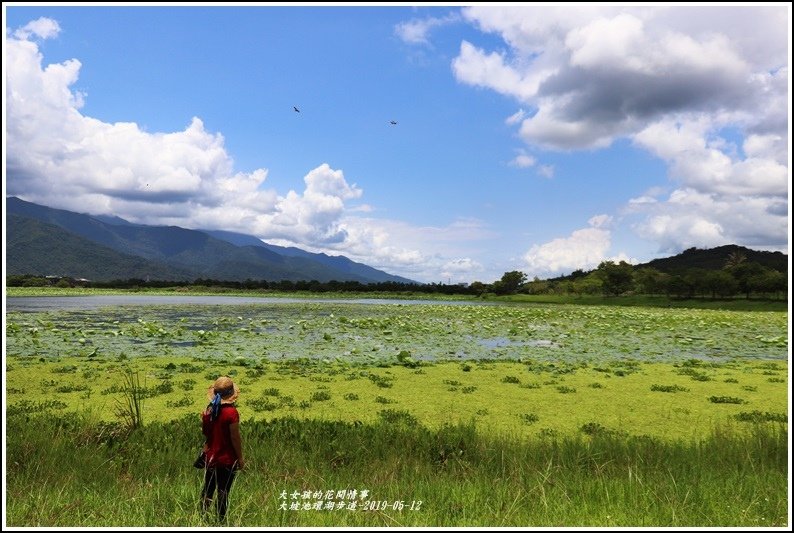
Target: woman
column 224, row 452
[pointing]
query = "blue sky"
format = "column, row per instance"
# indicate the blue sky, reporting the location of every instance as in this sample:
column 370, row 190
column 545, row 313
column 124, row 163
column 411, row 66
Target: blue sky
column 534, row 138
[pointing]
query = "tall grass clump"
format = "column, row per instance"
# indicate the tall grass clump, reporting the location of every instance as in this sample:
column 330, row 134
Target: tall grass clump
column 74, row 471
column 130, row 408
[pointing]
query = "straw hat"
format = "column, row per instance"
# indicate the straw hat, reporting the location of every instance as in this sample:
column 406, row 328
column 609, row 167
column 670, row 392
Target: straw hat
column 224, row 386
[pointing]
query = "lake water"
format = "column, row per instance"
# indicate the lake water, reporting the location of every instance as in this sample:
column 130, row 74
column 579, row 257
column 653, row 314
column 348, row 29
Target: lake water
column 67, row 303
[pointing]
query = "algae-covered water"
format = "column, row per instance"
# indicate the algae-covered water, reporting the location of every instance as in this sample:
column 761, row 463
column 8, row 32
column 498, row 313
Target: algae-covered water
column 541, row 369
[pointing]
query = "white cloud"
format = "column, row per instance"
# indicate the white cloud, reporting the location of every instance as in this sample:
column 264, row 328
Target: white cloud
column 600, row 221
column 597, row 73
column 583, row 249
column 522, row 160
column 669, row 78
column 44, row 28
column 691, row 218
column 416, row 31
column 475, row 67
column 460, row 270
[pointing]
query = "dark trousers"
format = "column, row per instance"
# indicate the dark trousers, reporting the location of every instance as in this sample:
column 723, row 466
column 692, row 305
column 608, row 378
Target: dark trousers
column 221, row 478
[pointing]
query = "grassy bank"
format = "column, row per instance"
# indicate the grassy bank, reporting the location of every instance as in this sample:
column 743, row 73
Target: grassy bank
column 74, row 471
column 643, row 300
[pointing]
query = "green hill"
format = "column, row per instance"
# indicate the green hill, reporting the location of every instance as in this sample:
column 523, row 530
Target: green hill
column 35, row 247
column 716, row 258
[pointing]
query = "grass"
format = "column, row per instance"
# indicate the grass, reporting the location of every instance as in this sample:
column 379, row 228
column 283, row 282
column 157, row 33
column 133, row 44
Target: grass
column 645, row 300
column 455, row 475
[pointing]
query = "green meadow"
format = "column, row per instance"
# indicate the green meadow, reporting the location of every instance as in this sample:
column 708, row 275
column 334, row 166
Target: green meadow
column 442, row 414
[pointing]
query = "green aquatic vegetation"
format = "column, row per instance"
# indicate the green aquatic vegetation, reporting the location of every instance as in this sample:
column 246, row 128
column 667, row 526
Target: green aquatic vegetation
column 383, row 399
column 759, row 416
column 184, row 401
column 633, row 346
column 529, row 418
column 261, row 404
column 320, row 396
column 726, row 399
column 668, row 388
column 398, row 416
column 71, row 388
column 27, row 407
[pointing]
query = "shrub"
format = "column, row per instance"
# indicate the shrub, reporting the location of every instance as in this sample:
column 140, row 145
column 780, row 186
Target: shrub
column 320, row 396
column 398, row 416
column 668, row 388
column 758, row 416
column 726, row 399
column 529, row 418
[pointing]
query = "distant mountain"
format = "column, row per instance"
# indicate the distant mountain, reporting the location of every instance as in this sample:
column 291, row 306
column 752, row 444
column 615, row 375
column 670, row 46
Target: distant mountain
column 715, row 259
column 35, row 247
column 338, row 262
column 195, row 254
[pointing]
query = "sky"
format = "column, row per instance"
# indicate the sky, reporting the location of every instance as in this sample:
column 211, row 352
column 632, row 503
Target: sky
column 536, row 138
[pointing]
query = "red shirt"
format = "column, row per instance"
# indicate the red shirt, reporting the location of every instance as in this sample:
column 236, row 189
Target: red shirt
column 220, row 451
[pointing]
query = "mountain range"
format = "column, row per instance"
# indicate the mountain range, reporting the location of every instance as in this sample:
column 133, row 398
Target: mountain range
column 46, row 241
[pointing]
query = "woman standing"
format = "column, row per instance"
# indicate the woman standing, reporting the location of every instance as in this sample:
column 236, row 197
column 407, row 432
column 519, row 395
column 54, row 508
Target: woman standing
column 224, row 452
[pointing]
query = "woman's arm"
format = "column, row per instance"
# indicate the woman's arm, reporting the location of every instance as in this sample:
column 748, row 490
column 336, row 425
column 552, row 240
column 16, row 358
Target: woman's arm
column 237, row 444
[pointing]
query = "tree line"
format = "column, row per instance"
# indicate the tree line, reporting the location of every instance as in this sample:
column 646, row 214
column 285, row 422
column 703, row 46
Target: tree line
column 737, row 277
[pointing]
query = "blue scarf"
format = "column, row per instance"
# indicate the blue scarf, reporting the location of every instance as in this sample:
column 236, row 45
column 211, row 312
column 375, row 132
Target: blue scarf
column 215, row 406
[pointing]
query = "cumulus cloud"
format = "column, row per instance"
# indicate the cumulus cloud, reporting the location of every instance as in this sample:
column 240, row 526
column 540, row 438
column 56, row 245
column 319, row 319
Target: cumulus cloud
column 583, row 249
column 416, row 31
column 598, row 73
column 44, row 28
column 461, row 270
column 672, row 79
column 688, row 218
column 523, row 160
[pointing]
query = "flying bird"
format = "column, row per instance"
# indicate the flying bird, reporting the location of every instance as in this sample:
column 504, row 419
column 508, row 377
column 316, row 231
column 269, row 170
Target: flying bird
column 296, row 109
column 393, row 122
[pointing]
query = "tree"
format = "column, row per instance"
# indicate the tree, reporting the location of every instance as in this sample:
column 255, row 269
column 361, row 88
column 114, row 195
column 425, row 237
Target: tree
column 746, row 274
column 478, row 287
column 510, row 282
column 616, row 279
column 649, row 280
column 589, row 284
column 720, row 283
column 679, row 287
column 768, row 282
column 735, row 258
